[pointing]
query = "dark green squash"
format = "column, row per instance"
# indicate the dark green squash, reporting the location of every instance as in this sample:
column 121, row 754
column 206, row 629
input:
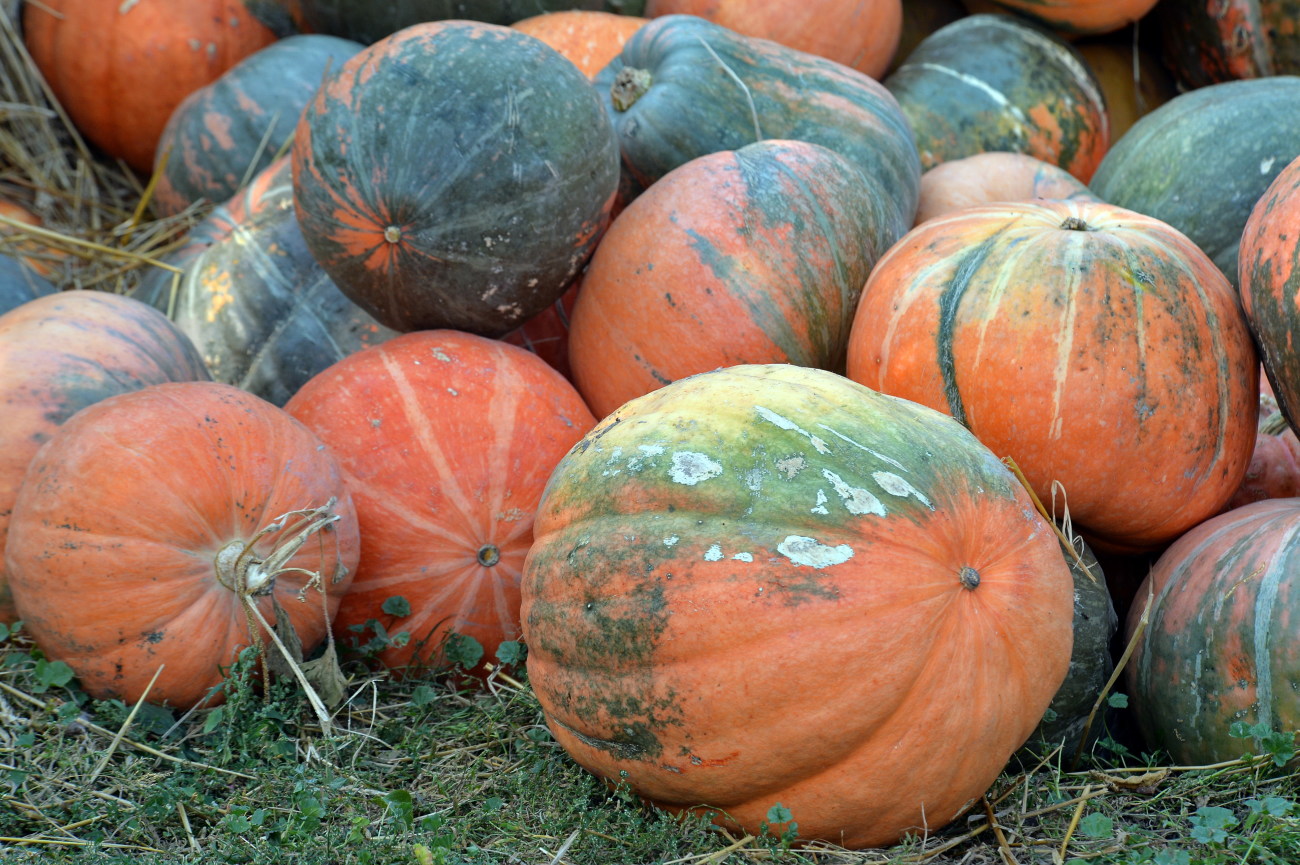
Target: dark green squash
column 994, row 82
column 684, row 87
column 1201, row 161
column 262, row 313
column 223, row 134
column 1211, row 41
column 455, row 174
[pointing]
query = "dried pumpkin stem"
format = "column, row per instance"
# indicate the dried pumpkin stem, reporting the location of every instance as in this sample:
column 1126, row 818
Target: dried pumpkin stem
column 630, row 84
column 1038, row 503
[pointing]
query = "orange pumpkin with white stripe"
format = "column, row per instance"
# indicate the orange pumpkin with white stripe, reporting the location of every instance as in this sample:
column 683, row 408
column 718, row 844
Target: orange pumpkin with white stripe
column 1098, row 347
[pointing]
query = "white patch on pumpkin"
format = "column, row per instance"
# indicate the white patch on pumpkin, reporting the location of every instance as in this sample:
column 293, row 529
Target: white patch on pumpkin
column 690, row 468
column 875, row 453
column 896, row 486
column 743, row 557
column 1267, row 165
column 713, row 553
column 791, row 466
column 440, row 354
column 754, row 479
column 614, row 455
column 820, row 507
column 671, row 541
column 812, row 552
column 857, row 500
column 787, row 424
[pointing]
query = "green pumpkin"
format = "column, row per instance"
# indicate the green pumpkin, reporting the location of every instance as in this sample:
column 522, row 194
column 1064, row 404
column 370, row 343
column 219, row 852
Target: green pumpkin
column 684, row 87
column 1201, row 161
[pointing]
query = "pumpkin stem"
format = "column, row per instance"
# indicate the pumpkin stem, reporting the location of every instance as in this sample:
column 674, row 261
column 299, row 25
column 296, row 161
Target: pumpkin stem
column 247, row 574
column 1274, row 425
column 969, row 577
column 392, row 234
column 489, row 555
column 1074, row 223
column 629, row 86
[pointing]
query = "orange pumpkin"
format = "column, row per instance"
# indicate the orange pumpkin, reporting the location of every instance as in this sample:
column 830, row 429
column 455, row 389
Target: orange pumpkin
column 1098, row 347
column 992, row 177
column 862, row 34
column 39, row 256
column 446, row 440
column 587, row 37
column 152, row 525
column 120, row 68
column 1076, row 17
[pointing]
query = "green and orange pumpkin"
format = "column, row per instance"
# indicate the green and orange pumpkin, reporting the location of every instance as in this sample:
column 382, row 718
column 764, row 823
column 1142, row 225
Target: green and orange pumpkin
column 735, row 532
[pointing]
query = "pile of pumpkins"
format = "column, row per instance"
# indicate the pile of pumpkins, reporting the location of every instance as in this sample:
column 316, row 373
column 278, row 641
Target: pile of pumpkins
column 765, row 374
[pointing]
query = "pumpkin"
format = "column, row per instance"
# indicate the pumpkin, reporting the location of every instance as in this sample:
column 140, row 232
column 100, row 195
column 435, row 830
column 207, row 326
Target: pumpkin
column 62, row 352
column 684, row 87
column 861, row 34
column 1132, row 80
column 720, row 538
column 755, row 255
column 1211, row 41
column 366, row 22
column 547, row 333
column 992, row 177
column 1099, row 348
column 224, row 133
column 1079, row 17
column 920, row 19
column 407, row 201
column 993, row 82
column 19, row 284
column 262, row 313
column 1065, row 723
column 1219, row 648
column 1201, row 161
column 270, row 189
column 1266, row 267
column 590, row 38
column 15, row 242
column 1274, row 471
column 220, row 508
column 149, row 56
column 446, row 440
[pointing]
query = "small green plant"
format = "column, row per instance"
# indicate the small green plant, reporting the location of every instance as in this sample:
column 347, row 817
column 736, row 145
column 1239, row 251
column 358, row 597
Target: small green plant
column 1279, row 745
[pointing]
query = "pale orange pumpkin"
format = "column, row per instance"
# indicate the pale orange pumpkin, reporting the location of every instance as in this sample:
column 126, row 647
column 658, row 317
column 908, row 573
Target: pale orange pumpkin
column 587, row 37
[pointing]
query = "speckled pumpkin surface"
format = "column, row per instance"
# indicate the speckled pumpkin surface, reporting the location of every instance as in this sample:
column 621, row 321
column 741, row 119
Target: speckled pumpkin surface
column 737, row 530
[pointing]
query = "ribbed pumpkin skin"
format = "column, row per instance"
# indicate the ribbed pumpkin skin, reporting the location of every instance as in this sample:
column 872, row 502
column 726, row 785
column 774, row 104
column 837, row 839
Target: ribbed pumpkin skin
column 230, row 130
column 62, row 352
column 1221, row 644
column 367, row 21
column 1114, row 360
column 861, row 34
column 1202, row 160
column 762, row 523
column 446, row 440
column 756, row 255
column 148, row 56
column 1080, row 17
column 258, row 307
column 1268, row 279
column 455, row 175
column 694, row 107
column 1211, row 41
column 588, row 38
column 992, row 82
column 992, row 177
column 172, row 474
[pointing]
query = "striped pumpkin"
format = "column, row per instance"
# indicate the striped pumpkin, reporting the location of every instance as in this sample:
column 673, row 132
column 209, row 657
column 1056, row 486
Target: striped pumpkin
column 993, row 82
column 1097, row 347
column 756, row 255
column 1220, row 646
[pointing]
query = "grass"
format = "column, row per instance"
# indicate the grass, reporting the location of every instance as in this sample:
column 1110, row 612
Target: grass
column 420, row 771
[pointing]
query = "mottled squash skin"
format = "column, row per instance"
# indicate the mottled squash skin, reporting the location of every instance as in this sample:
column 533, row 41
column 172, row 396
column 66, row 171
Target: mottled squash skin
column 61, row 352
column 226, row 132
column 455, row 174
column 1202, row 160
column 716, row 539
column 750, row 256
column 993, row 82
column 672, row 97
column 1073, row 336
column 1207, row 42
column 1268, row 279
column 367, row 21
column 1221, row 645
